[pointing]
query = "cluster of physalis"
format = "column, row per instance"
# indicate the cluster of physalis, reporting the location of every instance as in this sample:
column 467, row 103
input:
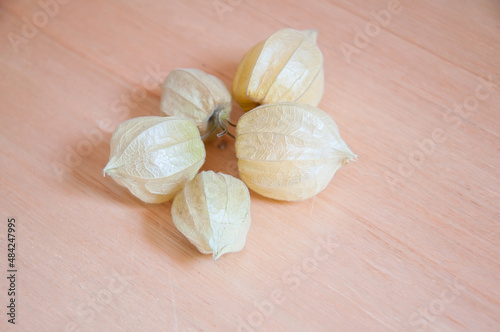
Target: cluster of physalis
column 287, row 148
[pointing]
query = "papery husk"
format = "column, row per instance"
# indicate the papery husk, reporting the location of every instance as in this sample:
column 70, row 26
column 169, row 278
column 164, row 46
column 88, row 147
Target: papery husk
column 287, row 67
column 155, row 156
column 196, row 95
column 213, row 212
column 289, row 151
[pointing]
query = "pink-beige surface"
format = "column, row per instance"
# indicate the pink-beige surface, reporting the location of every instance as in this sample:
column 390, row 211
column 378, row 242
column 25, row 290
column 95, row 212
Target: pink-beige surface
column 405, row 239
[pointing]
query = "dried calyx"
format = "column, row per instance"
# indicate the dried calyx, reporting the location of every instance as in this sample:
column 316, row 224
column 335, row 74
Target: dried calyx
column 289, row 151
column 287, row 67
column 155, row 156
column 196, row 95
column 213, row 212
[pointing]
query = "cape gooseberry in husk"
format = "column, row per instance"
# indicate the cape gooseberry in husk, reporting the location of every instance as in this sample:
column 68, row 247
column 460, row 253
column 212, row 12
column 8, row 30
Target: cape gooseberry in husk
column 155, row 156
column 196, row 95
column 213, row 212
column 287, row 67
column 289, row 151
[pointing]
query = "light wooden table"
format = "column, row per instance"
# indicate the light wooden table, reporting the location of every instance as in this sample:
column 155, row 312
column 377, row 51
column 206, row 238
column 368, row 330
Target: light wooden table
column 409, row 233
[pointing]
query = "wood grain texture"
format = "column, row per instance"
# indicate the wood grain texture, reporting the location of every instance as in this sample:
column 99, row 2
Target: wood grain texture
column 411, row 230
